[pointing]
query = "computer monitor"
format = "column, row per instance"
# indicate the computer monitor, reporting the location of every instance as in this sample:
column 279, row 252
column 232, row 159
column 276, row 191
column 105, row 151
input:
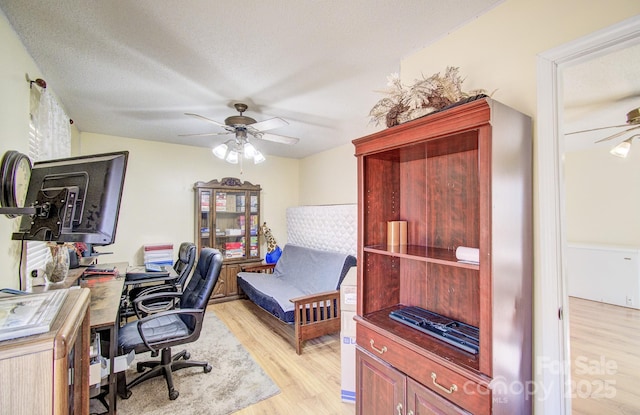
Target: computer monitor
column 77, row 199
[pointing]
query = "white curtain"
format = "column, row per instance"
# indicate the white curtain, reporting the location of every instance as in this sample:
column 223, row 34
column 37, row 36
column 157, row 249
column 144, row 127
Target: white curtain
column 52, row 132
column 49, row 138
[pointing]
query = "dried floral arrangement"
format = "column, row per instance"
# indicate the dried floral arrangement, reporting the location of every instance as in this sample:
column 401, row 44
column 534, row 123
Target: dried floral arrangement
column 426, row 95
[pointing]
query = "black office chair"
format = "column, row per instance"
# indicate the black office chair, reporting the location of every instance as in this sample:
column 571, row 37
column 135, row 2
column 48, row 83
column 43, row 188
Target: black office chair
column 161, row 331
column 183, row 267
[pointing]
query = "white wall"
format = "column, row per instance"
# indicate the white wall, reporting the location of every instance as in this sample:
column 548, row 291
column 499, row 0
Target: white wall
column 602, row 197
column 158, row 199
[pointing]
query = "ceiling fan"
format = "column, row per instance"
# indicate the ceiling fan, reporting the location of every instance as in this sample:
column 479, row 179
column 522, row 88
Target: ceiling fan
column 241, row 125
column 622, row 149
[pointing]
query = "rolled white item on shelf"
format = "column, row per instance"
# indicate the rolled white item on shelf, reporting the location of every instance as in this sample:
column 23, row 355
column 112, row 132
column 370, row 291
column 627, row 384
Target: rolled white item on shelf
column 466, row 254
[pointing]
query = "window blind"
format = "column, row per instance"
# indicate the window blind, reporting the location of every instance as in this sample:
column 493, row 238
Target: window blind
column 49, row 138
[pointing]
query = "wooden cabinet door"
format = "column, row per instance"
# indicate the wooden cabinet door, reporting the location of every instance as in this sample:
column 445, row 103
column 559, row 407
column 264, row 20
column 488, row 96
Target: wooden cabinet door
column 422, row 401
column 380, row 388
column 231, row 278
column 220, row 290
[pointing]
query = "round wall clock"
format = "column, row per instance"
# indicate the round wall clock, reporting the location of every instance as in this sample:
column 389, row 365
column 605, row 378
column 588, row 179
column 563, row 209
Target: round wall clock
column 15, row 172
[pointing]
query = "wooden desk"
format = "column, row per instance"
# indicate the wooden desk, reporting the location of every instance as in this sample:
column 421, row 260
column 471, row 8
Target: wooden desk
column 104, row 316
column 74, row 277
column 104, row 310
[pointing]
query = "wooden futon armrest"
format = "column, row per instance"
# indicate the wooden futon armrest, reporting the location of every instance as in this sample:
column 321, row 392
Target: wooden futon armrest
column 264, row 268
column 315, row 315
column 312, row 298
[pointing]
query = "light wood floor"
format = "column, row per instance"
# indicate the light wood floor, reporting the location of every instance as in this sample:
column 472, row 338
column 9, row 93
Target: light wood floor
column 309, row 383
column 605, row 362
column 605, row 358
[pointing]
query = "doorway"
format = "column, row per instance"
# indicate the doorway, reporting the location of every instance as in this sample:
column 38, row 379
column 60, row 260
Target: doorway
column 553, row 349
column 602, row 231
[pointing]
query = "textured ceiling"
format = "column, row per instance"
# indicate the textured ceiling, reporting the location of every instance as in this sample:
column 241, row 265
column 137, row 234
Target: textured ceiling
column 133, row 68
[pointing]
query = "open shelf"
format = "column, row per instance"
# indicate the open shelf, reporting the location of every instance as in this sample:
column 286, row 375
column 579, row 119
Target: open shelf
column 421, row 253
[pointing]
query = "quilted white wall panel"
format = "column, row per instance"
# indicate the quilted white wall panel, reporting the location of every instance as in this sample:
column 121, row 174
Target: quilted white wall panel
column 326, row 227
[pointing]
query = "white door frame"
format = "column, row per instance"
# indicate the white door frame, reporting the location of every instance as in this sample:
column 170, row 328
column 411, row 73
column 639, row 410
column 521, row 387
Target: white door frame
column 553, row 349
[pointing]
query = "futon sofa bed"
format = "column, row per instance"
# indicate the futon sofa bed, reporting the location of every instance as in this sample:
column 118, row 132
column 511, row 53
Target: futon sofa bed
column 301, row 290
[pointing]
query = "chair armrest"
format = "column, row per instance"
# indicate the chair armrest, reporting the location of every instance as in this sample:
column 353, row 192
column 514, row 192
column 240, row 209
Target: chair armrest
column 265, row 268
column 157, row 288
column 197, row 313
column 145, row 303
column 155, row 296
column 312, row 298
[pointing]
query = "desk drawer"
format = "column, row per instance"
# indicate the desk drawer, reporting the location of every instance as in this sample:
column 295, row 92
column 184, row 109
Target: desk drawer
column 463, row 391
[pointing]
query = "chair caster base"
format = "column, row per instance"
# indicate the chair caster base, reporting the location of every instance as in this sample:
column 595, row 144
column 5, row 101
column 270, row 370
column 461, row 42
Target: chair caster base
column 125, row 395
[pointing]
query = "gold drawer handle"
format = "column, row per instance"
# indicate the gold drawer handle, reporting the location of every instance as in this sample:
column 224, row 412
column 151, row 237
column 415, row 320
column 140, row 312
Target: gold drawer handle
column 399, row 409
column 452, row 389
column 383, row 350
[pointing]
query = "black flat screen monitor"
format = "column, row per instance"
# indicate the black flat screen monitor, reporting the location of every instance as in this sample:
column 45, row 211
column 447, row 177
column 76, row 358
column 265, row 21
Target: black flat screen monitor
column 78, row 199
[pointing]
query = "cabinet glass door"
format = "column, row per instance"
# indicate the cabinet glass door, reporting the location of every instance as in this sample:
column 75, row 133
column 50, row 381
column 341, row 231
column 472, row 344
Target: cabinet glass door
column 254, row 224
column 230, row 223
column 205, row 219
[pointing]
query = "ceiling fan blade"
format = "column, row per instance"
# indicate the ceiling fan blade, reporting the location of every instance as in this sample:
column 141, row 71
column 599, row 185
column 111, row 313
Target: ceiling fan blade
column 597, row 129
column 202, row 134
column 276, row 138
column 611, row 137
column 269, row 124
column 226, row 127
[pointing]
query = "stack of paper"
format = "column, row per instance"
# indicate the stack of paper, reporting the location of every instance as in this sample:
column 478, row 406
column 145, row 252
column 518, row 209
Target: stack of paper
column 25, row 315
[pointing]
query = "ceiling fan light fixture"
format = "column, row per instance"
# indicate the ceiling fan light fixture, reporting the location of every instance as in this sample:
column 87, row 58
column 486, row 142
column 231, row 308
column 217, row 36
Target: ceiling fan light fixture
column 220, row 151
column 258, row 158
column 622, row 149
column 232, row 157
column 232, row 152
column 249, row 150
column 243, row 127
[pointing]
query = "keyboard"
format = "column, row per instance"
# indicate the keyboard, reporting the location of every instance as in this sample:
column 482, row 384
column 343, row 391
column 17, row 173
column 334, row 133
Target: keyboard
column 454, row 332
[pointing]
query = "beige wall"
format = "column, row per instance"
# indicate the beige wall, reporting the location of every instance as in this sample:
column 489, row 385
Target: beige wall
column 602, row 197
column 329, row 177
column 498, row 50
column 158, row 199
column 14, row 132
